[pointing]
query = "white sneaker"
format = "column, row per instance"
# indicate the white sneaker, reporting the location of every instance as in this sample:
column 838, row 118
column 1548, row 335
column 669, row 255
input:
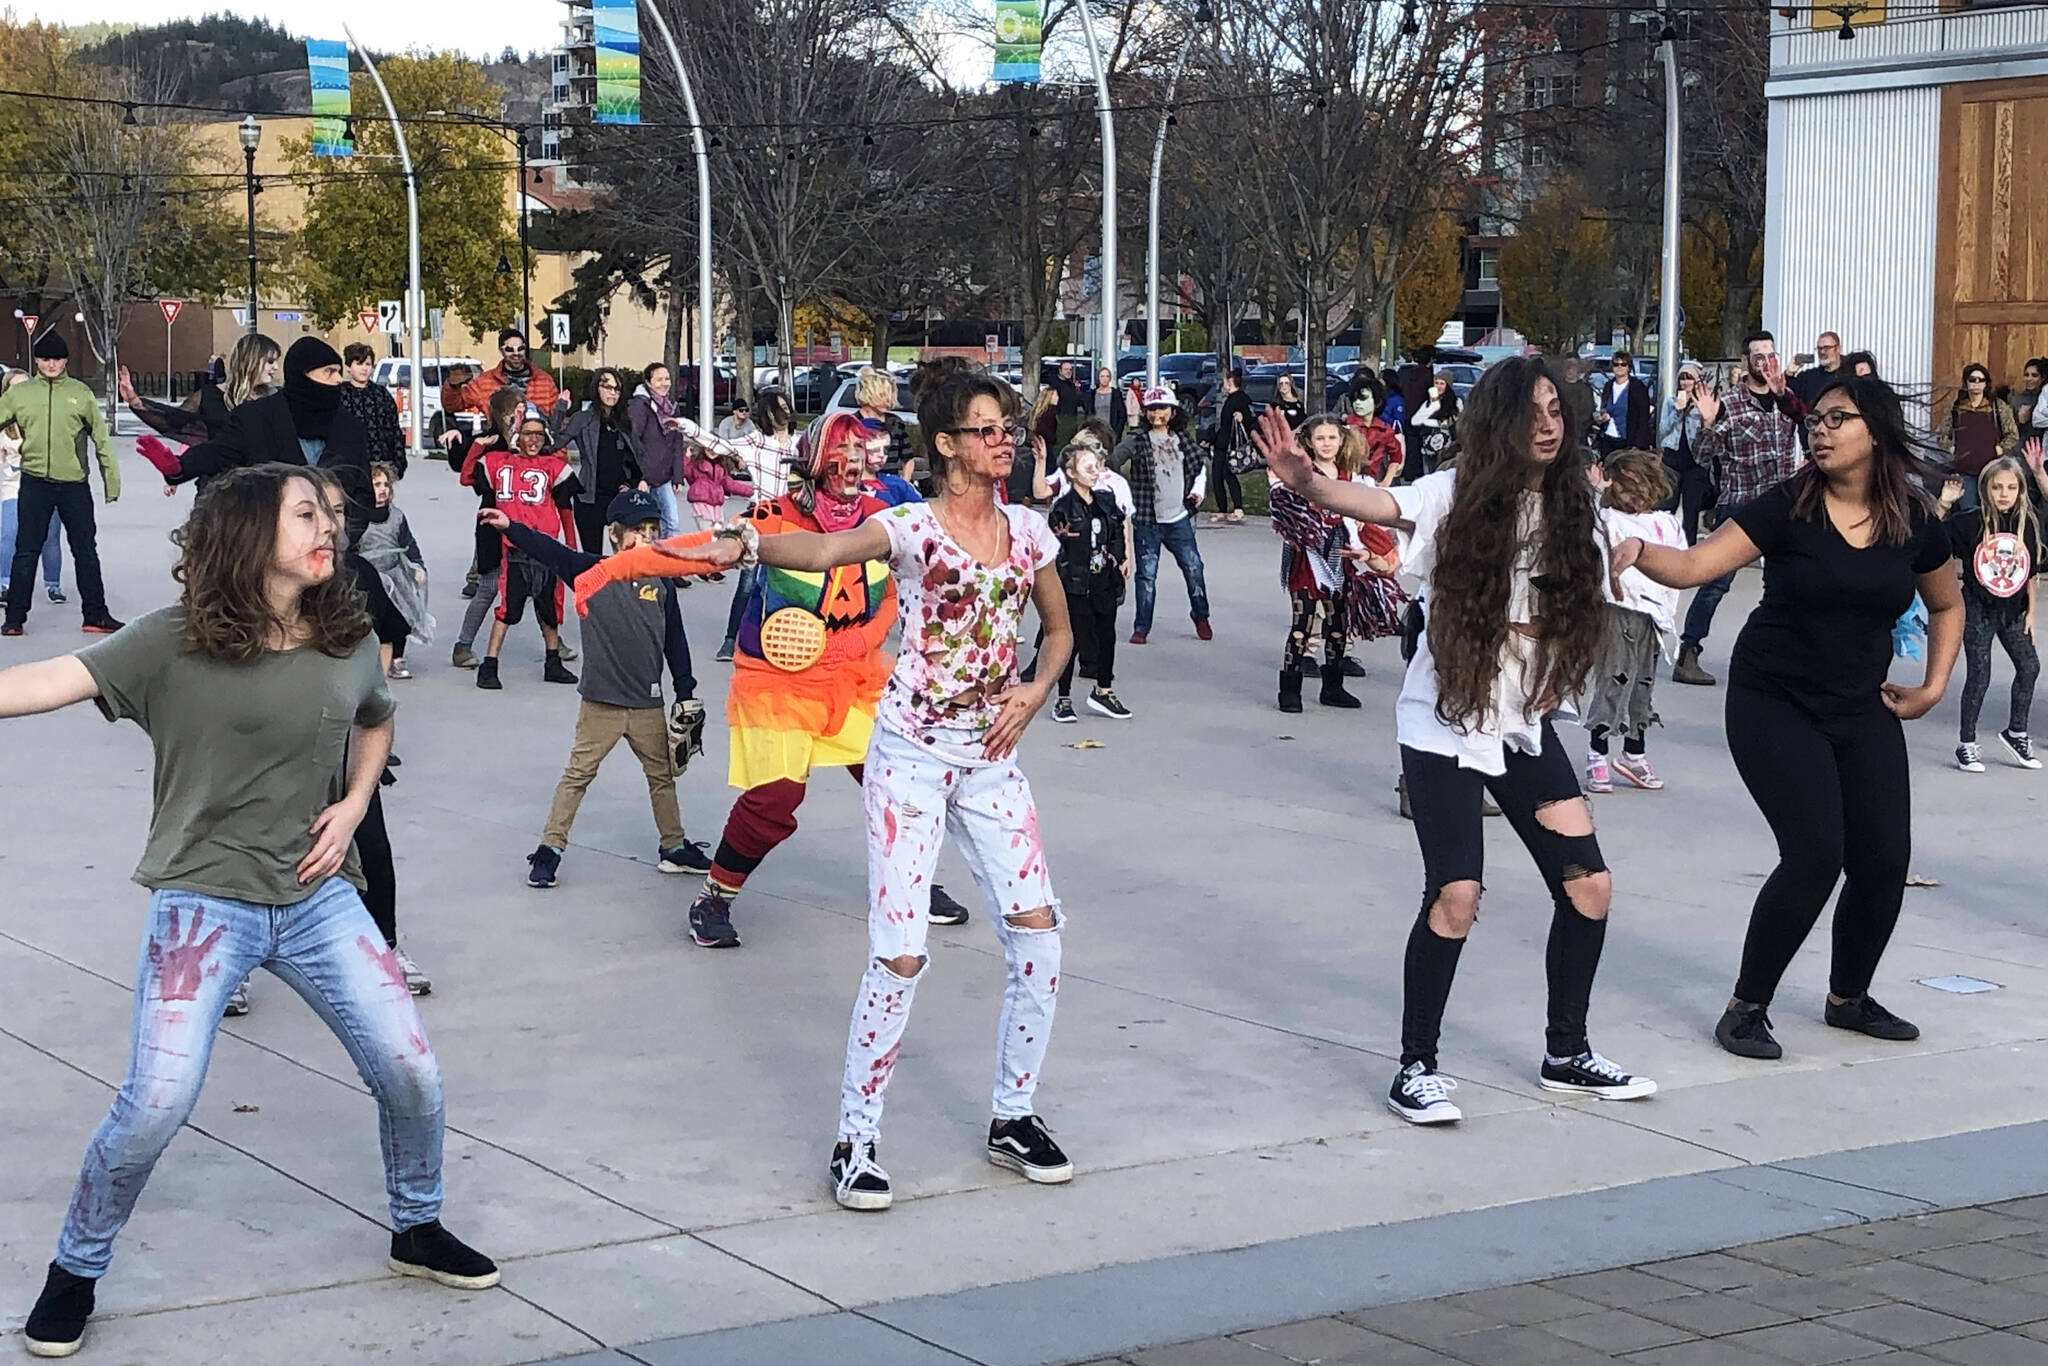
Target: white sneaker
column 1421, row 1096
column 1968, row 759
column 238, row 999
column 416, row 982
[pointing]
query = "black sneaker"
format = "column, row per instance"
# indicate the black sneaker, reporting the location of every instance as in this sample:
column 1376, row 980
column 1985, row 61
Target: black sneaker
column 1589, row 1074
column 1746, row 1032
column 487, row 674
column 554, row 671
column 1868, row 1017
column 725, row 648
column 687, row 857
column 1025, row 1146
column 541, row 866
column 1063, row 711
column 711, row 923
column 1421, row 1095
column 101, row 626
column 433, row 1252
column 945, row 910
column 858, row 1181
column 56, row 593
column 2020, row 746
column 1103, row 702
column 12, row 628
column 56, row 1326
column 1352, row 668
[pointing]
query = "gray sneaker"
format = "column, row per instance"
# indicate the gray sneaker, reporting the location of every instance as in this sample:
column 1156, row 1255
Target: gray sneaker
column 416, row 981
column 238, row 1000
column 465, row 658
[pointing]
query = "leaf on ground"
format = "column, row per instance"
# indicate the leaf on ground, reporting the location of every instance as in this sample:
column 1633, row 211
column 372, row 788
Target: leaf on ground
column 1085, row 744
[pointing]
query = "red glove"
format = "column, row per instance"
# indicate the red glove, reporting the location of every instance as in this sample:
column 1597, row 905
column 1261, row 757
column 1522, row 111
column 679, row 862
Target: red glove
column 153, row 450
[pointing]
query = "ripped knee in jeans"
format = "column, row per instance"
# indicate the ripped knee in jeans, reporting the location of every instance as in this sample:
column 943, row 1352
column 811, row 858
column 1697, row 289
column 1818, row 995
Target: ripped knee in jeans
column 1569, row 823
column 1042, row 918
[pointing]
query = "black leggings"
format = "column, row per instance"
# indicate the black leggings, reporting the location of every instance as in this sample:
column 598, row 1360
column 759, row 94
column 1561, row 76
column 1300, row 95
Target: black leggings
column 1223, row 479
column 388, row 621
column 2008, row 624
column 373, row 847
column 1448, row 825
column 1838, row 798
column 1093, row 615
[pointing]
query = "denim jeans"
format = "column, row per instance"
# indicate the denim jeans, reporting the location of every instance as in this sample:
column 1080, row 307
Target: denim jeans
column 671, row 509
column 53, row 548
column 741, row 591
column 1179, row 540
column 1699, row 618
column 195, row 949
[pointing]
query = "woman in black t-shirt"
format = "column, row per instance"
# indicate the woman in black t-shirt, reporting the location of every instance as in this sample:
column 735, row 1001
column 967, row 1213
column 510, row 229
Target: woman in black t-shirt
column 1813, row 726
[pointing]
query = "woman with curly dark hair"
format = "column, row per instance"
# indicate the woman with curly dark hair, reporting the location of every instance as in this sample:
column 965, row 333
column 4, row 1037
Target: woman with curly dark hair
column 1514, row 573
column 261, row 694
column 1813, row 725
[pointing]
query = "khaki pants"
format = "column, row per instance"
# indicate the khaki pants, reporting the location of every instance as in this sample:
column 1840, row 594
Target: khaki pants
column 599, row 728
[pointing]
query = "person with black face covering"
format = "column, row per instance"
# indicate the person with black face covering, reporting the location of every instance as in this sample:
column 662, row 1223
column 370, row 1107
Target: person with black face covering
column 304, row 423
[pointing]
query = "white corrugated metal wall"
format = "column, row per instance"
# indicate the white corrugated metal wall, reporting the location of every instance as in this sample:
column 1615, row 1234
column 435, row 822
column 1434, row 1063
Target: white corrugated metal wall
column 1853, row 197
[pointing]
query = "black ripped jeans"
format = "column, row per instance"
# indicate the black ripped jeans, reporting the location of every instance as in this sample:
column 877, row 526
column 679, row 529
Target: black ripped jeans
column 1446, row 800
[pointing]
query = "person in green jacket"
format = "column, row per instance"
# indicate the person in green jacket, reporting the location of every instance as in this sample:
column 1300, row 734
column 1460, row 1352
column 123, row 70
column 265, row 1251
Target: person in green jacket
column 56, row 415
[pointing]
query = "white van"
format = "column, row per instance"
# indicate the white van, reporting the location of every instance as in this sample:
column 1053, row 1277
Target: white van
column 395, row 374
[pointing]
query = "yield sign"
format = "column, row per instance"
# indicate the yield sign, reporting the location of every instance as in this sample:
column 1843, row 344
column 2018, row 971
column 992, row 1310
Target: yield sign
column 29, row 321
column 368, row 318
column 171, row 308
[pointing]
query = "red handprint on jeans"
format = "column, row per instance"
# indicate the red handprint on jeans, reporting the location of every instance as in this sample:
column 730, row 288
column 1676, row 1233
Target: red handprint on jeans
column 180, row 967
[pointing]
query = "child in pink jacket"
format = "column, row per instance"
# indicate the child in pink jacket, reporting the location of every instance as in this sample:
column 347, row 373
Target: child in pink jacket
column 709, row 484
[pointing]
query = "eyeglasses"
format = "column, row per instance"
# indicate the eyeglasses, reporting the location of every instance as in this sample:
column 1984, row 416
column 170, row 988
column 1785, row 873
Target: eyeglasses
column 1833, row 419
column 525, row 432
column 992, row 435
column 607, row 384
column 512, row 350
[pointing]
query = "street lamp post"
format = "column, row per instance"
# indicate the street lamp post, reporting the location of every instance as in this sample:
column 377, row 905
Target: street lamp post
column 1667, row 305
column 525, row 256
column 704, row 365
column 1202, row 16
column 414, row 297
column 252, row 135
column 1102, row 111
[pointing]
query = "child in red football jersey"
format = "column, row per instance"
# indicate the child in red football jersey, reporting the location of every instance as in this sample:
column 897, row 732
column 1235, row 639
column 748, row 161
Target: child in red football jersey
column 530, row 486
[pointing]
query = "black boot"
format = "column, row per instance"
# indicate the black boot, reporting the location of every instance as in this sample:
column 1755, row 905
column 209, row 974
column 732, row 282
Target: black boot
column 57, row 1324
column 1290, row 690
column 1333, row 694
column 553, row 670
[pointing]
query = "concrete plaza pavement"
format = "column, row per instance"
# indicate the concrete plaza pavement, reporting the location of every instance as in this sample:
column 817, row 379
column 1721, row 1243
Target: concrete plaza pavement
column 638, row 1128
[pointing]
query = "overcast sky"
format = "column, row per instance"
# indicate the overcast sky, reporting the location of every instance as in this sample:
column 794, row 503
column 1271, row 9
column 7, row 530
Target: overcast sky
column 478, row 27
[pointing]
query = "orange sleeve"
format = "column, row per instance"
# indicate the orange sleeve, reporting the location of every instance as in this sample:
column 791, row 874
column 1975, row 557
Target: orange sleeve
column 642, row 562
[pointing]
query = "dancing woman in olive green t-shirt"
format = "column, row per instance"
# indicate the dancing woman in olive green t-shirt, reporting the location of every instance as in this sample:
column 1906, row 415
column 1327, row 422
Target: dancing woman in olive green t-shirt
column 250, row 689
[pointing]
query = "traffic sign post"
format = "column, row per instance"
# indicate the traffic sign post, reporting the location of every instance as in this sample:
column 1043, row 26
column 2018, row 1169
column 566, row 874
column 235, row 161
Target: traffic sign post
column 171, row 308
column 368, row 318
column 390, row 316
column 558, row 330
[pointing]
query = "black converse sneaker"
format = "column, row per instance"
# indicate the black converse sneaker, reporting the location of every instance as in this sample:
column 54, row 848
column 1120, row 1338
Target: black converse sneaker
column 945, row 910
column 56, row 1326
column 858, row 1181
column 1421, row 1095
column 1589, row 1074
column 711, row 923
column 430, row 1251
column 2020, row 746
column 1866, row 1016
column 1745, row 1031
column 1025, row 1146
column 1969, row 758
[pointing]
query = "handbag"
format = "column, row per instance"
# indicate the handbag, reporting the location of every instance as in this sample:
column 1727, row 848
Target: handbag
column 1244, row 457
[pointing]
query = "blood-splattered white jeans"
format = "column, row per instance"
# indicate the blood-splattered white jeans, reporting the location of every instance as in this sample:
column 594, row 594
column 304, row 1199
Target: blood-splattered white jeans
column 195, row 949
column 915, row 792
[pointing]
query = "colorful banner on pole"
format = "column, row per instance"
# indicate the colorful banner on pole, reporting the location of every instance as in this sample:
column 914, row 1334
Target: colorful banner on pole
column 617, row 34
column 327, row 63
column 1018, row 40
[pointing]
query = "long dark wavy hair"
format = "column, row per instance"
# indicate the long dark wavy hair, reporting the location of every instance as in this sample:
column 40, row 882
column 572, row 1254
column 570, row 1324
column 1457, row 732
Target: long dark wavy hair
column 226, row 548
column 612, row 415
column 1896, row 491
column 1480, row 542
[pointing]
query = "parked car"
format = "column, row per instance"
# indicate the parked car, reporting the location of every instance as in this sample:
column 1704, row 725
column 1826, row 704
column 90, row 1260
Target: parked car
column 1084, row 369
column 814, row 384
column 905, row 409
column 1463, row 376
column 395, row 374
column 1596, row 366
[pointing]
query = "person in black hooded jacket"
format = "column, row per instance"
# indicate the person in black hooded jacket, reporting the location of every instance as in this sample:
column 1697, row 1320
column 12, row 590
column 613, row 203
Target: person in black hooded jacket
column 302, row 424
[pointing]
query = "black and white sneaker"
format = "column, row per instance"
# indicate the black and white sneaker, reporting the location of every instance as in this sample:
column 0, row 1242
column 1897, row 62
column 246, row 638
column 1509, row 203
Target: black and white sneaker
column 687, row 857
column 1026, row 1147
column 858, row 1181
column 1421, row 1095
column 711, row 923
column 1589, row 1074
column 945, row 910
column 2020, row 746
column 542, row 865
column 1866, row 1016
column 1103, row 702
column 238, row 1000
column 1063, row 711
column 1968, row 758
column 56, row 1326
column 432, row 1252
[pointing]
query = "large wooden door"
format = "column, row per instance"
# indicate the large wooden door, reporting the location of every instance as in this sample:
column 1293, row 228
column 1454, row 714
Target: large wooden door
column 1991, row 252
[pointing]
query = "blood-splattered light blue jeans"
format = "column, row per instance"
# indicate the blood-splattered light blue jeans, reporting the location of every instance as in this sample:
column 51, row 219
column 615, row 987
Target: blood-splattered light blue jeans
column 195, row 950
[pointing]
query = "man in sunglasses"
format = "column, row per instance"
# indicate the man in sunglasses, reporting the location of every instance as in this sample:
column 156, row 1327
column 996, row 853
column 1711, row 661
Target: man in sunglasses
column 513, row 368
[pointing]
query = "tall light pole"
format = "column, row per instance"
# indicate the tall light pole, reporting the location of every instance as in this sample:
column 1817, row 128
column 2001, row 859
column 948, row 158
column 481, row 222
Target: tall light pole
column 1166, row 118
column 1110, row 327
column 414, row 297
column 525, row 255
column 1667, row 305
column 704, row 367
column 252, row 136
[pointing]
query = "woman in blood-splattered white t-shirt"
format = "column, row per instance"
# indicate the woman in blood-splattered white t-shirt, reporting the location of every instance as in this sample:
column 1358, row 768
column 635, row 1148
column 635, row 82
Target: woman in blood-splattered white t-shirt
column 943, row 759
